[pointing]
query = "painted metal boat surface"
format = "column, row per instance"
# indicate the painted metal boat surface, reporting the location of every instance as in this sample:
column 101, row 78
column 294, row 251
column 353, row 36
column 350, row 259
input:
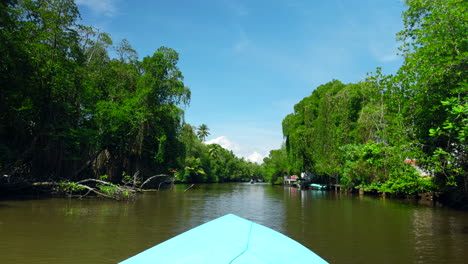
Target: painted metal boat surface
column 228, row 239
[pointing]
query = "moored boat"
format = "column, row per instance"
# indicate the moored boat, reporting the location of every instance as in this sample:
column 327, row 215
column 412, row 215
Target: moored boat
column 318, row 186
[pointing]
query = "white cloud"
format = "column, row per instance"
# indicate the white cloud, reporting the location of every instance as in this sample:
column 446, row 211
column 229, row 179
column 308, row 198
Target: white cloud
column 238, row 150
column 256, row 157
column 225, row 143
column 104, row 7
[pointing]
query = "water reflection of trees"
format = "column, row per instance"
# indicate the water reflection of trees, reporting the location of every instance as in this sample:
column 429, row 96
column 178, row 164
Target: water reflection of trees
column 439, row 235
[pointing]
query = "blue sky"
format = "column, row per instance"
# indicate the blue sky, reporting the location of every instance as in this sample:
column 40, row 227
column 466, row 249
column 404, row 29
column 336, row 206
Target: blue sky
column 247, row 62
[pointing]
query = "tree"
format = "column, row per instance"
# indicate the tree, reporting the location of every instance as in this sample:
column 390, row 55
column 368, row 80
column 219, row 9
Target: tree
column 69, row 111
column 42, row 107
column 214, row 150
column 351, row 134
column 435, row 48
column 363, row 132
column 274, row 166
column 203, row 132
column 321, row 123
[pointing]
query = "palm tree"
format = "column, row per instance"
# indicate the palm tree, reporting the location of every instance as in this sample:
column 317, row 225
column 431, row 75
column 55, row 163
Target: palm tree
column 202, row 132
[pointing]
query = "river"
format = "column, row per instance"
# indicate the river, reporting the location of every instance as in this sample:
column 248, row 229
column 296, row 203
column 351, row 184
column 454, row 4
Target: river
column 341, row 228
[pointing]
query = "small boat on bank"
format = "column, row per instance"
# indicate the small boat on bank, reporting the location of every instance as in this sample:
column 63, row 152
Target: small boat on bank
column 228, row 239
column 318, row 186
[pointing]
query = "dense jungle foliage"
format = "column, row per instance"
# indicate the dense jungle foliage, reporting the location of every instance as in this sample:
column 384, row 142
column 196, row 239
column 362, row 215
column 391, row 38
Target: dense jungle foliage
column 359, row 135
column 69, row 111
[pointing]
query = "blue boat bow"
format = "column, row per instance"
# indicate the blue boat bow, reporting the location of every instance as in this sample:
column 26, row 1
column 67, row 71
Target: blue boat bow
column 228, row 239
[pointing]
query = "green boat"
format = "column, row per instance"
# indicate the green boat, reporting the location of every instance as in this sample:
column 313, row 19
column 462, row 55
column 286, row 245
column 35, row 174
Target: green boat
column 228, row 239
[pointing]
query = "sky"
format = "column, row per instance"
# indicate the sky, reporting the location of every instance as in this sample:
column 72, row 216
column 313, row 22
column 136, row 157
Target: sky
column 248, row 62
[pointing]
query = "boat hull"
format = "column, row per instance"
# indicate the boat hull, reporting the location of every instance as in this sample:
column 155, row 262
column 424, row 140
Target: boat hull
column 228, row 239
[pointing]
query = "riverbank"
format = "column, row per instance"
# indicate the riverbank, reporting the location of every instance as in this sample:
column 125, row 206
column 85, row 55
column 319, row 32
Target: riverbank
column 438, row 199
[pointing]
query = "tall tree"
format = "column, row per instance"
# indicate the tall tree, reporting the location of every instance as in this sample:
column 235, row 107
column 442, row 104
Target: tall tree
column 274, row 166
column 43, row 98
column 68, row 110
column 434, row 74
column 202, row 132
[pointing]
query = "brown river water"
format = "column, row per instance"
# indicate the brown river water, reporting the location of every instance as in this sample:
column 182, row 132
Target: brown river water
column 341, row 228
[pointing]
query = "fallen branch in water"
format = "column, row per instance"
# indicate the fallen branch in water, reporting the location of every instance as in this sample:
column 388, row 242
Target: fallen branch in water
column 94, row 180
column 189, row 187
column 135, row 178
column 101, row 188
column 44, row 183
column 98, row 187
column 150, row 178
column 96, row 192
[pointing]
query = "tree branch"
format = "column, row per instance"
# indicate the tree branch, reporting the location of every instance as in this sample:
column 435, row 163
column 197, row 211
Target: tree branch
column 189, row 187
column 152, row 177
